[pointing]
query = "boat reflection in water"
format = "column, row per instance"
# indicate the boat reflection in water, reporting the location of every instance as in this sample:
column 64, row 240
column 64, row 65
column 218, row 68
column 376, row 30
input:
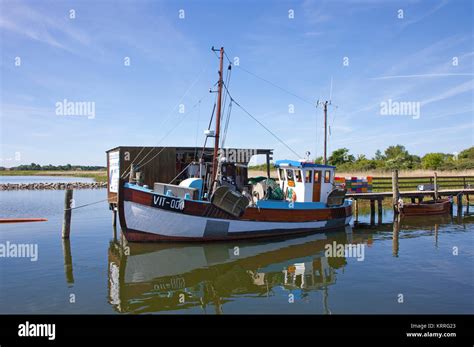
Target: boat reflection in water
column 146, row 278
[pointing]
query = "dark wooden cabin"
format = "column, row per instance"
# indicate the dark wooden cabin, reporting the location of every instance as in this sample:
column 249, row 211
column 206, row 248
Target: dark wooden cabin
column 162, row 163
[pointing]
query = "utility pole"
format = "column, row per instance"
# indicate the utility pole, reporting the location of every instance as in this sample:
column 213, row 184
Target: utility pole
column 215, row 163
column 325, row 104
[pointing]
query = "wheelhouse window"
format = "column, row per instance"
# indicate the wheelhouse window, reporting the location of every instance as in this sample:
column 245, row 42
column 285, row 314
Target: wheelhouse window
column 289, row 174
column 317, row 176
column 327, row 176
column 282, row 174
column 298, row 176
column 308, row 175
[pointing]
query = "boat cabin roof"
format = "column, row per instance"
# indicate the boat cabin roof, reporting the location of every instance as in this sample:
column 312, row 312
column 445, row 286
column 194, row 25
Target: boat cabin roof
column 300, row 164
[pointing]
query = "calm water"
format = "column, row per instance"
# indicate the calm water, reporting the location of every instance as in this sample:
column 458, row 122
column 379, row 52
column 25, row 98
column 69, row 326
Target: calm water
column 278, row 276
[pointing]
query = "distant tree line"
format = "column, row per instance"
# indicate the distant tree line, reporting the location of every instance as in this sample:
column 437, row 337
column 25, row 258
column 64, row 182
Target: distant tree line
column 67, row 167
column 397, row 157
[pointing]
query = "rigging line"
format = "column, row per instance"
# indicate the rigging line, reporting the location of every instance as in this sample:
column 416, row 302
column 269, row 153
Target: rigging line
column 180, row 173
column 208, row 128
column 139, row 165
column 176, row 125
column 225, row 97
column 169, row 114
column 226, row 126
column 166, row 135
column 179, row 102
column 228, row 59
column 92, row 203
column 263, row 126
column 197, row 131
column 276, row 86
column 227, row 84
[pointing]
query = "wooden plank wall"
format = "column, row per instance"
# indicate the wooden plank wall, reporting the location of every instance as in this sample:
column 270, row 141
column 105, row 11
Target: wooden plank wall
column 160, row 168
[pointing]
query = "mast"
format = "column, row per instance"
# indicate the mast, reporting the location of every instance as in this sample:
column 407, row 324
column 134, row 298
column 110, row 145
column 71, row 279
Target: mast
column 215, row 163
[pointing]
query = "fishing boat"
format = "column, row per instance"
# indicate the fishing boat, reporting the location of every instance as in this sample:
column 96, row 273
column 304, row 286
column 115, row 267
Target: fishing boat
column 426, row 208
column 216, row 201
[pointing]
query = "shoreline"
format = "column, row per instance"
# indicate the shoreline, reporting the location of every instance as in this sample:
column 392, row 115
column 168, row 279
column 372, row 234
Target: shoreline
column 53, row 186
column 97, row 176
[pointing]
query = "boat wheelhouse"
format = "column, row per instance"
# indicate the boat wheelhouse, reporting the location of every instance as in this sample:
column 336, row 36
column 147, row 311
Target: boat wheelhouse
column 309, row 182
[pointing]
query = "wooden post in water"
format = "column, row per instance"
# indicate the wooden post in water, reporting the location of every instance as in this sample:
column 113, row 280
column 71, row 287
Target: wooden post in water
column 395, row 191
column 435, row 188
column 114, row 233
column 395, row 234
column 372, row 211
column 68, row 261
column 379, row 210
column 67, row 214
column 459, row 203
column 467, row 204
column 114, row 216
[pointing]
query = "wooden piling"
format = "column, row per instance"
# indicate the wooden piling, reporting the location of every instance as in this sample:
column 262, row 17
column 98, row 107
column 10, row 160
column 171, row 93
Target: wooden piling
column 467, row 204
column 66, row 229
column 68, row 261
column 459, row 203
column 435, row 188
column 395, row 191
column 372, row 212
column 395, row 235
column 114, row 217
column 379, row 210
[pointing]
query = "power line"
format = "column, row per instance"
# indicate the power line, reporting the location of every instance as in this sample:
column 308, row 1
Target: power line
column 263, row 126
column 276, row 86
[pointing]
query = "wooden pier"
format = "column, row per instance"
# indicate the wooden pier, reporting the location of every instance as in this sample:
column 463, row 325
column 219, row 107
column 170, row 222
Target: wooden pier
column 457, row 188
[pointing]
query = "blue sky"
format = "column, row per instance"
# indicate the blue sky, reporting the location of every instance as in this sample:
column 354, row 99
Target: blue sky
column 426, row 57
